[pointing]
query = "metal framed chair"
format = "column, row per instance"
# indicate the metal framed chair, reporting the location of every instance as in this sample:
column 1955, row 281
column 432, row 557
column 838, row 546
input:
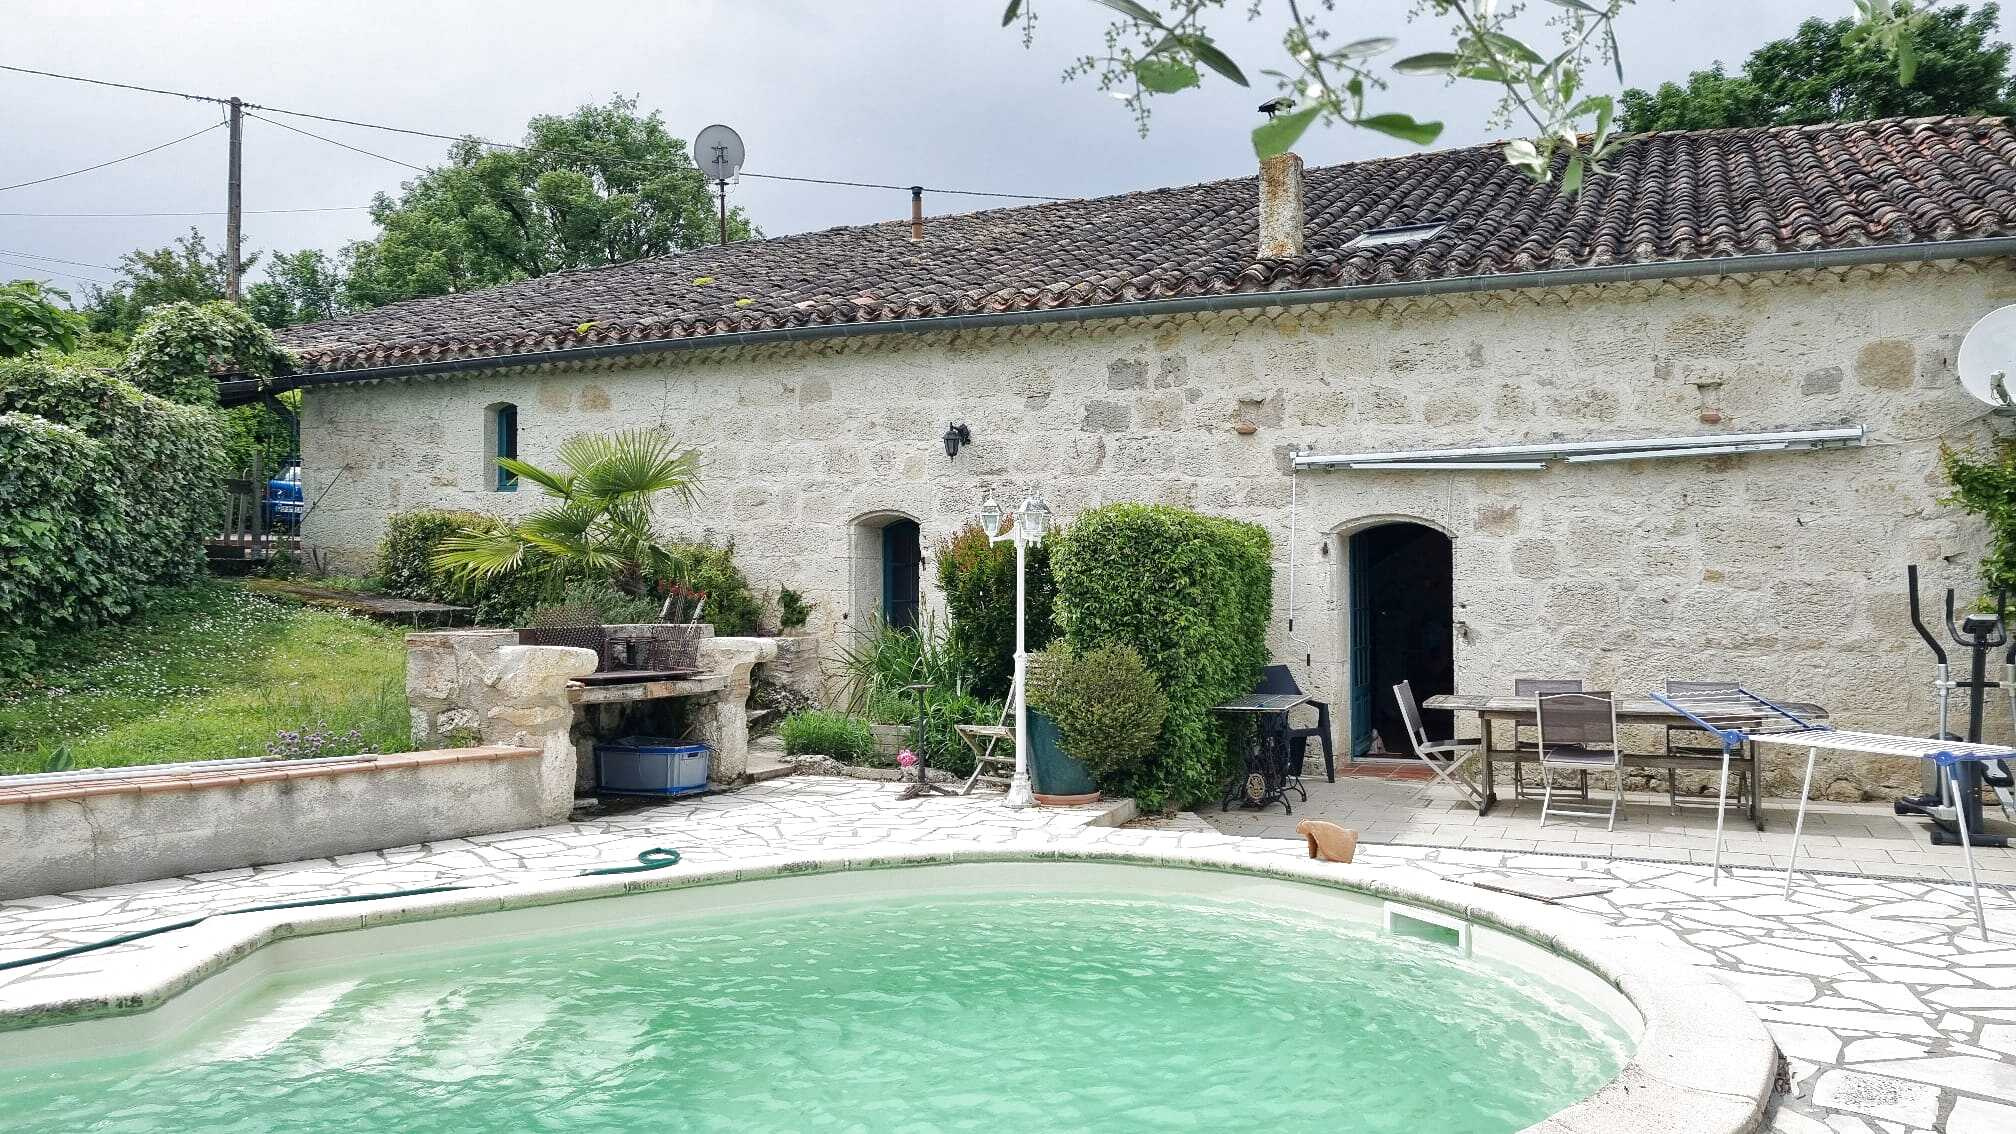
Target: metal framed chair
column 1687, row 742
column 1281, row 679
column 1440, row 755
column 1522, row 743
column 1578, row 731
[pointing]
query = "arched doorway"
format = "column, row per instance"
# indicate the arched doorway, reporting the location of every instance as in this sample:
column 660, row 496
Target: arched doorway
column 888, row 572
column 1400, row 628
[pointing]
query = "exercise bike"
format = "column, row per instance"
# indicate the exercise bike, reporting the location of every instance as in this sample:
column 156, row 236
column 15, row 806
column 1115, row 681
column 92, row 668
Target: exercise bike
column 1979, row 635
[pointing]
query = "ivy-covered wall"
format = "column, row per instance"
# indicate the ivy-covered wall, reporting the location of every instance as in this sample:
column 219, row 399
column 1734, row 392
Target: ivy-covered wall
column 105, row 491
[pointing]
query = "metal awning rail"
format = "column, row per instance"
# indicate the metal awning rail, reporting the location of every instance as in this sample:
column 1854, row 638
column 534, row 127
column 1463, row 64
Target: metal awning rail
column 1534, row 456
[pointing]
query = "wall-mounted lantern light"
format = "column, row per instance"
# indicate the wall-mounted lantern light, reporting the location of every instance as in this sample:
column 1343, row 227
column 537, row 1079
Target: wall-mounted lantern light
column 955, row 436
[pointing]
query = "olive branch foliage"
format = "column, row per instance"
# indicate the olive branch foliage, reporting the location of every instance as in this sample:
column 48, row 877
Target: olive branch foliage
column 1542, row 78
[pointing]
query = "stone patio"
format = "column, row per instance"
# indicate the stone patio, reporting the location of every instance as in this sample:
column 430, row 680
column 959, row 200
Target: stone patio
column 1388, row 805
column 1893, row 1016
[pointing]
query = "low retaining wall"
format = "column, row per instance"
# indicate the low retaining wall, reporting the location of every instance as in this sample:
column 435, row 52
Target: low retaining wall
column 79, row 830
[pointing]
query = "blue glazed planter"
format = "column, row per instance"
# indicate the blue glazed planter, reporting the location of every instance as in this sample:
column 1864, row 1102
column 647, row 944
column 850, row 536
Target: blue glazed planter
column 1060, row 781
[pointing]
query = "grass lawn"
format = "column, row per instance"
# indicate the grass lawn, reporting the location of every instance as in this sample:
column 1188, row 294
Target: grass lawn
column 208, row 673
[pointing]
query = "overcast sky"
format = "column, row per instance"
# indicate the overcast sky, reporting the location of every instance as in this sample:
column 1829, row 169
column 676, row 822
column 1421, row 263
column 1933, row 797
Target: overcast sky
column 898, row 91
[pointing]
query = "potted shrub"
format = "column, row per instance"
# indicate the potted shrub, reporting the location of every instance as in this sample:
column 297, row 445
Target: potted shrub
column 1095, row 717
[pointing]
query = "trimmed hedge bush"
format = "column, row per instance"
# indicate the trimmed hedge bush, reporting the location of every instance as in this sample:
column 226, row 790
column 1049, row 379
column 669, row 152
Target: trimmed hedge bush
column 1192, row 594
column 978, row 579
column 105, row 492
column 1109, row 709
column 820, row 733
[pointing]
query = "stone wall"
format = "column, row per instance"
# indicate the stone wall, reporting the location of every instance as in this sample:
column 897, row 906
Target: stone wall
column 105, row 827
column 1785, row 571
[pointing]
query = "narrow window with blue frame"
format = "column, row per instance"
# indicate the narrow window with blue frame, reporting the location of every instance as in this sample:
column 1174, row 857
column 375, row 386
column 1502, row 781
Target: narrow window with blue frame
column 504, row 443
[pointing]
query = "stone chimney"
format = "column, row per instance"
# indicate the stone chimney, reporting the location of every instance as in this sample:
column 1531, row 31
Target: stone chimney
column 1280, row 207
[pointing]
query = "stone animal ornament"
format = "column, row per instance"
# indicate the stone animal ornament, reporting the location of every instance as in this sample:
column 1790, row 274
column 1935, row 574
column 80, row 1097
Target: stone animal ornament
column 1327, row 841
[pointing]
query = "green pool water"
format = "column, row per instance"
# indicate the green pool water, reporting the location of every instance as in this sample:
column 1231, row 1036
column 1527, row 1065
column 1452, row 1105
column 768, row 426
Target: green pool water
column 1103, row 1012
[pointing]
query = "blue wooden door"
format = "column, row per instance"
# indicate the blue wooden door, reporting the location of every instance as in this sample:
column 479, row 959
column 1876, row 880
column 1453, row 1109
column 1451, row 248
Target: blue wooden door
column 1359, row 582
column 902, row 568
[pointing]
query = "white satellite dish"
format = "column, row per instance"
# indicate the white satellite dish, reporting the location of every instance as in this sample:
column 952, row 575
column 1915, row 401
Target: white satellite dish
column 718, row 152
column 1988, row 359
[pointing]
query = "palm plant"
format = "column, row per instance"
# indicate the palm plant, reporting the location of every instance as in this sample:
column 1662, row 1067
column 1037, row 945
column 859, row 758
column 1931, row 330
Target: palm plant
column 606, row 489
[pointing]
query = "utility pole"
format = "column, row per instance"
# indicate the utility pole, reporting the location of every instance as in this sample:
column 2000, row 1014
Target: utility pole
column 234, row 202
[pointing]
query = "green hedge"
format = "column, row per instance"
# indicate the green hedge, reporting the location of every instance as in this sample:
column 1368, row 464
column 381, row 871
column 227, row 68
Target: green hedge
column 978, row 579
column 406, row 568
column 105, row 492
column 1192, row 594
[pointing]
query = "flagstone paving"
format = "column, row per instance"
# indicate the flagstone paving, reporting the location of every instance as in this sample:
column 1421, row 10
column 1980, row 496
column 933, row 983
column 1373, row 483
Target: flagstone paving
column 1892, row 1014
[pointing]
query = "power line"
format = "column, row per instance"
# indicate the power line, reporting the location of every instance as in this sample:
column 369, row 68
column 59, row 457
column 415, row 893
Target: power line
column 905, row 188
column 339, row 145
column 495, row 144
column 55, row 272
column 58, row 260
column 114, row 161
column 110, row 83
column 641, row 162
column 192, row 212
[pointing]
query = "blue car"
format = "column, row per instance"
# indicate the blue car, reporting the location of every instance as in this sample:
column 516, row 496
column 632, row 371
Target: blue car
column 284, row 505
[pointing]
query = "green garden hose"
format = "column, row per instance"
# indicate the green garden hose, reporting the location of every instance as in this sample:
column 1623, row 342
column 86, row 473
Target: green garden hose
column 656, row 858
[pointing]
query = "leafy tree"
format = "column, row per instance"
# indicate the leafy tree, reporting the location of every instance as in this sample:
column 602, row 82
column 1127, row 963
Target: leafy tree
column 185, row 271
column 1537, row 65
column 599, row 186
column 30, row 320
column 300, row 287
column 1832, row 72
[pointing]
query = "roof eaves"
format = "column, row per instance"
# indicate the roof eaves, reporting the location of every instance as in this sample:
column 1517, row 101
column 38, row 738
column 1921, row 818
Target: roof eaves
column 1810, row 260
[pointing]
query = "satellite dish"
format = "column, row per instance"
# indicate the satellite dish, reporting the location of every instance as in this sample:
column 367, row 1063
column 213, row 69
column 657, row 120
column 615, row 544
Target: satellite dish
column 718, row 152
column 1988, row 359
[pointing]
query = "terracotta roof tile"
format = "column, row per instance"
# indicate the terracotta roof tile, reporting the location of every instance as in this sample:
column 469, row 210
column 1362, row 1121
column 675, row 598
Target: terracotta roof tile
column 1665, row 197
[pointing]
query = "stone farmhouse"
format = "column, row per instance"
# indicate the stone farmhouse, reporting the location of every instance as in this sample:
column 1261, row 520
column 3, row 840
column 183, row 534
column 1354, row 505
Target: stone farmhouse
column 1209, row 346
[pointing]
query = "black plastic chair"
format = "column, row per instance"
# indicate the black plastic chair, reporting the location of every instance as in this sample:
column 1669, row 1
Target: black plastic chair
column 1279, row 679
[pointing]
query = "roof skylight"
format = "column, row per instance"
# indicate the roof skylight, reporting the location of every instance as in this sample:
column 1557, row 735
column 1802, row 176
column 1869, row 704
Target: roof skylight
column 1400, row 234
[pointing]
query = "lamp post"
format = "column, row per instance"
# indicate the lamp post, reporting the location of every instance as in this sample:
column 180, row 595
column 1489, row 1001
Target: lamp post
column 1026, row 525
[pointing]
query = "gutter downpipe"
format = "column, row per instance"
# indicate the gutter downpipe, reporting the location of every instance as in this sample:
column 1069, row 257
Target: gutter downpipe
column 1913, row 253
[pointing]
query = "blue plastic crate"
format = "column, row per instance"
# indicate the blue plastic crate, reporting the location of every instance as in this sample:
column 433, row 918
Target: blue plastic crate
column 634, row 766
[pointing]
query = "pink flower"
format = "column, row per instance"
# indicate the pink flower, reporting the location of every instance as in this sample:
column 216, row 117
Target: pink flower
column 906, row 758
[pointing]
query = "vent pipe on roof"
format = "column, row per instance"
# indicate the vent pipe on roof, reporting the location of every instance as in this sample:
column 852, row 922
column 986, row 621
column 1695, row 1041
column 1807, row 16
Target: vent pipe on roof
column 1280, row 207
column 916, row 213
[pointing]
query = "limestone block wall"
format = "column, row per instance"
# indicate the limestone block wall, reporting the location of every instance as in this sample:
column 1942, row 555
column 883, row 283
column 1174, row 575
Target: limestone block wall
column 1785, row 571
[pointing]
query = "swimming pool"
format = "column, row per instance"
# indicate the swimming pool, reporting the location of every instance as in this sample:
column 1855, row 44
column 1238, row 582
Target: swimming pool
column 982, row 995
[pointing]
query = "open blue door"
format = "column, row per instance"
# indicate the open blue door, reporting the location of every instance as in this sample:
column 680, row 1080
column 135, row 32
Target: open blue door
column 1359, row 582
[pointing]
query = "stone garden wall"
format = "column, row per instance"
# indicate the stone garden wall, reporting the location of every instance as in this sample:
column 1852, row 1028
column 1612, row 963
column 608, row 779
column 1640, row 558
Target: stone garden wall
column 103, row 827
column 1785, row 571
